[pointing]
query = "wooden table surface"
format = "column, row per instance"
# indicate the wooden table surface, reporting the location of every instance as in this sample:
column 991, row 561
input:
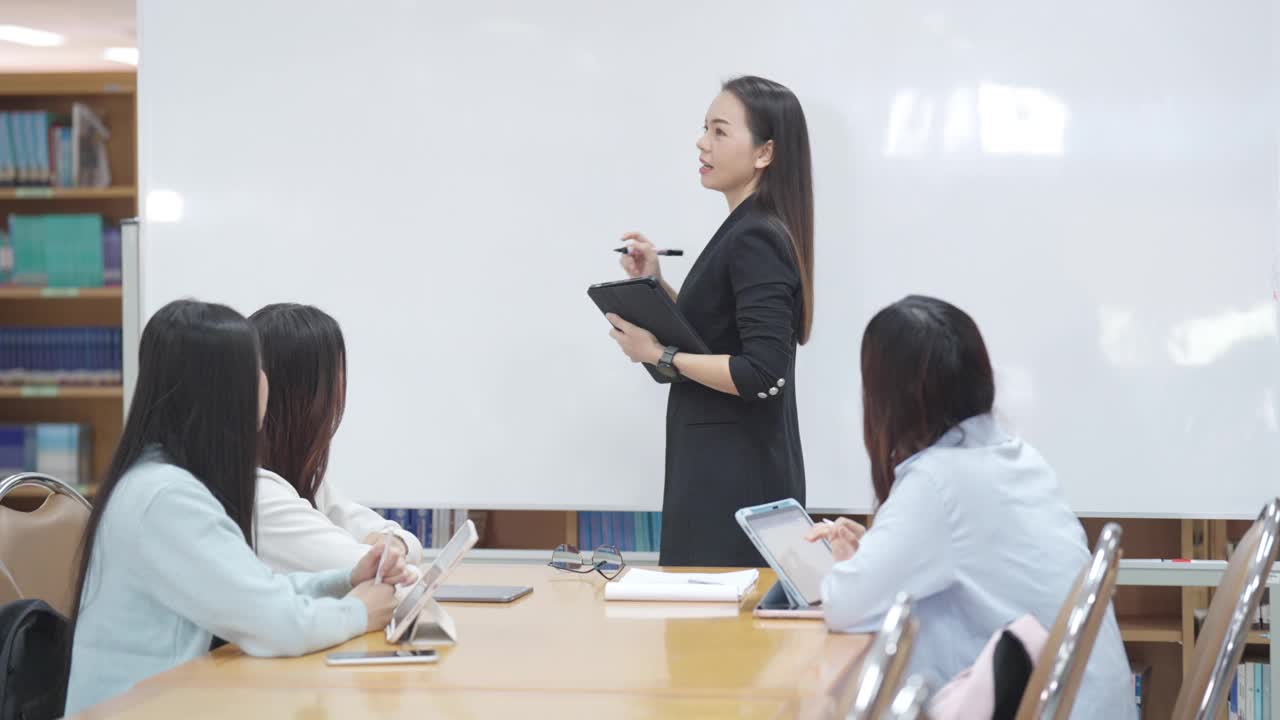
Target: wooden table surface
column 560, row 651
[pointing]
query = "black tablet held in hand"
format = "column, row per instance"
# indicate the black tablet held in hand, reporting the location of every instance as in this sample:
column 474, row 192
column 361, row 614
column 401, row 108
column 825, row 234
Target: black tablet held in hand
column 642, row 301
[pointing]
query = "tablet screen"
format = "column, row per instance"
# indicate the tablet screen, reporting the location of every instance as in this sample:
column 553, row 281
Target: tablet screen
column 408, row 604
column 449, row 556
column 782, row 531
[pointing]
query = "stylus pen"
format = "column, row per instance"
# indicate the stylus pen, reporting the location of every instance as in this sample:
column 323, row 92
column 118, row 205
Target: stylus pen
column 669, row 253
column 386, row 534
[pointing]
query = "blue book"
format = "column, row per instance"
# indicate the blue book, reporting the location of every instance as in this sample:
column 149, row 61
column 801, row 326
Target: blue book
column 1257, row 690
column 40, row 127
column 598, row 530
column 1264, row 700
column 16, row 124
column 7, row 170
column 642, row 533
column 1233, row 698
column 582, row 530
column 65, row 160
column 27, row 123
column 422, row 525
column 100, row 368
column 628, row 530
column 12, row 458
column 30, row 448
column 34, row 146
column 401, row 517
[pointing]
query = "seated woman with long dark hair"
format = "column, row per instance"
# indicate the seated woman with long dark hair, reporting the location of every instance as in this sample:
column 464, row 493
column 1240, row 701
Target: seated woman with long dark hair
column 167, row 564
column 972, row 521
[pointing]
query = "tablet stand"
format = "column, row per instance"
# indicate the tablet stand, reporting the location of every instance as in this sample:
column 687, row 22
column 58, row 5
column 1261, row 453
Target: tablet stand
column 433, row 626
column 777, row 598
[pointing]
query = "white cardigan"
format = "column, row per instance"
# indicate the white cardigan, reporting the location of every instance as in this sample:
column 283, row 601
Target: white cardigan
column 292, row 536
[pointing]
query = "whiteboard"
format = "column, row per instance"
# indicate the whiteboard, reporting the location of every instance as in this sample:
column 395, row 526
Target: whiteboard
column 1095, row 182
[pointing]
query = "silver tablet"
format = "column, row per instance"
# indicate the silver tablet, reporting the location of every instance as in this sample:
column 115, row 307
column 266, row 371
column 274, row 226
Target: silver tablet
column 777, row 529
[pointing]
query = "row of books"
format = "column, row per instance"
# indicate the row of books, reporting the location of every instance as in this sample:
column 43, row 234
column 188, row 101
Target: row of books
column 1250, row 697
column 57, row 449
column 60, row 356
column 628, row 531
column 60, row 250
column 43, row 148
column 433, row 527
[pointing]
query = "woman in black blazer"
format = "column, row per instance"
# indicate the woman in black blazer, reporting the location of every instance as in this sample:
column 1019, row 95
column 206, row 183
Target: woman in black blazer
column 733, row 438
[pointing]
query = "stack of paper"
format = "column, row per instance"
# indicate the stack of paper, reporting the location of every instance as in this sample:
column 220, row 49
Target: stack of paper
column 639, row 584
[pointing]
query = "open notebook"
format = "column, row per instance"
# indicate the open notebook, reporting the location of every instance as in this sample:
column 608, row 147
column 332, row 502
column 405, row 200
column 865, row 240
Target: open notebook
column 639, row 584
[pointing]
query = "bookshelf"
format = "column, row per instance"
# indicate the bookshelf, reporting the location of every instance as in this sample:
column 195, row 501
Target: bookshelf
column 61, row 392
column 112, row 96
column 26, row 293
column 32, row 194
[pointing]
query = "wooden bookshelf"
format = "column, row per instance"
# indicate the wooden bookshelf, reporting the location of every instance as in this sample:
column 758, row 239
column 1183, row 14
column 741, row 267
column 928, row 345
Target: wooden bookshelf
column 47, row 293
column 61, row 392
column 1151, row 629
column 38, row 194
column 112, row 96
column 68, row 84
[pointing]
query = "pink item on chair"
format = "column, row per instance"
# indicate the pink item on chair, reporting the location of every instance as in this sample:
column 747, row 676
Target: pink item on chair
column 972, row 693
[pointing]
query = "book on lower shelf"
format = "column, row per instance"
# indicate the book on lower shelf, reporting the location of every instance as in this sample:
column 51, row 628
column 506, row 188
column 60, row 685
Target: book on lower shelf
column 57, row 449
column 1140, row 679
column 1250, row 695
column 60, row 356
column 628, row 531
column 432, row 526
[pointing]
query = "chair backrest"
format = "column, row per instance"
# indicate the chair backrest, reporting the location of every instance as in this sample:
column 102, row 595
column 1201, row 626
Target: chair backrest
column 1225, row 630
column 1051, row 691
column 911, row 700
column 39, row 544
column 867, row 690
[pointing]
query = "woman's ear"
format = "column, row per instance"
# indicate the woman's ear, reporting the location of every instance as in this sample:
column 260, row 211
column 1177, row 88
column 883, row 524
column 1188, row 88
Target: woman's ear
column 263, row 390
column 764, row 155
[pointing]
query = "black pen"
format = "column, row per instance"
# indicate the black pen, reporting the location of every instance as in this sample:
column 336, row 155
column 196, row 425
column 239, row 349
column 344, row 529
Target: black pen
column 669, row 253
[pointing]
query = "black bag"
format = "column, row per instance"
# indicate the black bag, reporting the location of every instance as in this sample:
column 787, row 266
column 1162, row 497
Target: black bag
column 34, row 659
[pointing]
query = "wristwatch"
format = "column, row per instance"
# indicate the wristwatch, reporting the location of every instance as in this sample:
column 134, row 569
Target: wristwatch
column 664, row 362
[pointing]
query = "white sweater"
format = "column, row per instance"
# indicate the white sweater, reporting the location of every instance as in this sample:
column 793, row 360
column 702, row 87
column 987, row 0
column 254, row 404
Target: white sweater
column 977, row 530
column 292, row 536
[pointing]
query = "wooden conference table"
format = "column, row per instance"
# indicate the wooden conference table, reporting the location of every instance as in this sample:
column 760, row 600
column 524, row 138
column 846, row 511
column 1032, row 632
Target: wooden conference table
column 561, row 651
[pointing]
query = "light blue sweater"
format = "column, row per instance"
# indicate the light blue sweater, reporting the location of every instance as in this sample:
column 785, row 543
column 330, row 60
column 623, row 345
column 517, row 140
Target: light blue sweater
column 978, row 531
column 170, row 569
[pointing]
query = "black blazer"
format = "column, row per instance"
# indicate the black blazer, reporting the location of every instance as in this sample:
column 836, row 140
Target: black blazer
column 743, row 297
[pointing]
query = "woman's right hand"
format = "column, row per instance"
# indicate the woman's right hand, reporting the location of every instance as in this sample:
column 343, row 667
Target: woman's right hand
column 379, row 600
column 643, row 257
column 844, row 536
